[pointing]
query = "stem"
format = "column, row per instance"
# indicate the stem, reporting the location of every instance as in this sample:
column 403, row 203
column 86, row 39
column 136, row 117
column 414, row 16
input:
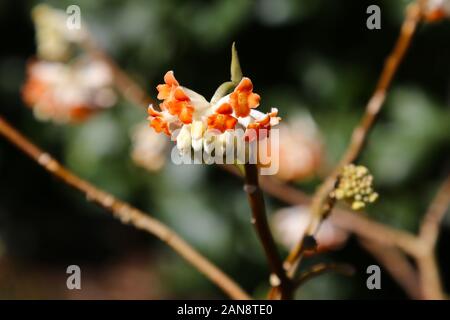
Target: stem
column 429, row 231
column 123, row 211
column 259, row 220
column 317, row 270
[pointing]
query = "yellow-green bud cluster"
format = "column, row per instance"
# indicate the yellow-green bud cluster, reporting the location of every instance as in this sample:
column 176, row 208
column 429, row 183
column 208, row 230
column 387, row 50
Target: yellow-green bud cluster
column 355, row 187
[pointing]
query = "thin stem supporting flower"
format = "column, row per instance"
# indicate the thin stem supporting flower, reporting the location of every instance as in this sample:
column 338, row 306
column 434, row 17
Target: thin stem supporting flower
column 259, row 220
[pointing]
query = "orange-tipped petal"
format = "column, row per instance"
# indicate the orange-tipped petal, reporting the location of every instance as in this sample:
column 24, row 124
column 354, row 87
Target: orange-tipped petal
column 186, row 114
column 152, row 112
column 239, row 103
column 225, row 108
column 230, row 122
column 265, row 121
column 253, row 100
column 169, row 79
column 180, row 95
column 160, row 125
column 221, row 122
column 163, row 91
column 243, row 99
column 245, row 85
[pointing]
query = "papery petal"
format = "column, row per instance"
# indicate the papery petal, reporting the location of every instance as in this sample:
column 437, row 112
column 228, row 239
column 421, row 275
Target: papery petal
column 240, row 104
column 245, row 85
column 180, row 95
column 163, row 91
column 197, row 129
column 184, row 139
column 221, row 122
column 152, row 112
column 159, row 125
column 186, row 114
column 243, row 99
column 225, row 108
column 169, row 79
column 253, row 100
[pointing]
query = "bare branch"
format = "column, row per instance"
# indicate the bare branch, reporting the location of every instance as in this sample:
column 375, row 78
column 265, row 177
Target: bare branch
column 259, row 220
column 319, row 269
column 123, row 211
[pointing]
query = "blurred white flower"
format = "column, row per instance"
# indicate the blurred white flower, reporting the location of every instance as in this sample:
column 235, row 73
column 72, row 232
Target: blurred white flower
column 301, row 148
column 68, row 92
column 437, row 9
column 289, row 225
column 53, row 37
column 149, row 148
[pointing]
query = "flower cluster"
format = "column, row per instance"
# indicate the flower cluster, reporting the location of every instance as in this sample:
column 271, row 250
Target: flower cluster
column 436, row 10
column 68, row 92
column 198, row 124
column 355, row 187
column 53, row 37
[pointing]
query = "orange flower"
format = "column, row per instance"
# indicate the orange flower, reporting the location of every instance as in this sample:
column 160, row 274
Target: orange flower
column 67, row 92
column 194, row 116
column 180, row 105
column 243, row 99
column 176, row 101
column 164, row 90
column 254, row 129
column 222, row 119
column 157, row 122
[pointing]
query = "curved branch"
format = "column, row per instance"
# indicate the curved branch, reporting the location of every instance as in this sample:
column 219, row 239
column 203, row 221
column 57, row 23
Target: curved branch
column 319, row 269
column 123, row 211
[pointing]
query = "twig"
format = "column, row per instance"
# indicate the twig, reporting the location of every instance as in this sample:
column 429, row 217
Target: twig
column 320, row 207
column 428, row 235
column 124, row 212
column 278, row 277
column 319, row 269
column 429, row 229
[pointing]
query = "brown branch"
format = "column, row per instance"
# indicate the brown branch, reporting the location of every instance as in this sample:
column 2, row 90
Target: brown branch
column 124, row 212
column 322, row 268
column 429, row 229
column 373, row 233
column 426, row 257
column 255, row 197
column 320, row 207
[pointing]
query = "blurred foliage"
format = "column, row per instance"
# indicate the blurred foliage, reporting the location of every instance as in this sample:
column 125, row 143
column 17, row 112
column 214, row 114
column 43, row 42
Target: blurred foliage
column 314, row 55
